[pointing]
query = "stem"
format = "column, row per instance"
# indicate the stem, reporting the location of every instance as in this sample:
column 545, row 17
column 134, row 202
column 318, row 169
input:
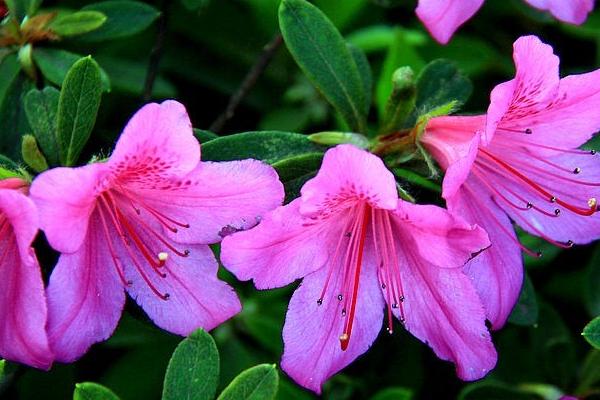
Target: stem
column 248, row 83
column 156, row 53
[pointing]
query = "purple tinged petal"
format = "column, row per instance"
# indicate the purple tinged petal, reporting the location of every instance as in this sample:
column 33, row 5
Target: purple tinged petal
column 85, row 297
column 158, row 140
column 196, row 297
column 443, row 17
column 281, row 249
column 65, row 198
column 311, row 333
column 22, row 299
column 346, row 174
column 442, row 308
column 572, row 11
column 497, row 273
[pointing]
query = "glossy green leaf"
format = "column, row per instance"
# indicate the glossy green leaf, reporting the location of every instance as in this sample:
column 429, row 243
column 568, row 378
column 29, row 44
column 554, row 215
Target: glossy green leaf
column 194, row 5
column 366, row 75
column 591, row 332
column 9, row 70
column 77, row 23
column 77, row 109
column 341, row 13
column 295, row 171
column 256, row 383
column 323, row 56
column 268, row 146
column 41, row 107
column 32, row 155
column 123, row 18
column 439, row 83
column 193, row 372
column 393, row 393
column 55, row 63
column 13, row 122
column 93, row 391
column 526, row 310
column 590, row 373
column 204, row 136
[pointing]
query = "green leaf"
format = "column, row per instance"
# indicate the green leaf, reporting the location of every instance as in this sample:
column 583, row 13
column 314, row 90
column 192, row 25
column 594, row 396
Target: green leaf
column 489, row 390
column 93, row 391
column 591, row 332
column 55, row 63
column 204, row 136
column 440, row 83
column 295, row 171
column 41, row 107
column 341, row 13
column 9, row 70
column 591, row 284
column 32, row 155
column 400, row 53
column 366, row 75
column 13, row 122
column 77, row 23
column 526, row 310
column 77, row 108
column 256, row 383
column 123, row 18
column 590, row 373
column 193, row 372
column 268, row 146
column 323, row 56
column 393, row 393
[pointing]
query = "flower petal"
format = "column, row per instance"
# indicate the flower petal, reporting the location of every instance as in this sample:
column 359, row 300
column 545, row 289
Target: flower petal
column 85, row 296
column 441, row 238
column 217, row 198
column 281, row 249
column 517, row 104
column 442, row 308
column 312, row 351
column 497, row 273
column 196, row 297
column 572, row 11
column 443, row 17
column 22, row 298
column 158, row 140
column 65, row 198
column 349, row 174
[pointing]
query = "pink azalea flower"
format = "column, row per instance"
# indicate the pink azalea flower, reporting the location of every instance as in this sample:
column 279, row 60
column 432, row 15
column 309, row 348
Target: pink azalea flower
column 359, row 248
column 22, row 300
column 140, row 222
column 522, row 163
column 443, row 17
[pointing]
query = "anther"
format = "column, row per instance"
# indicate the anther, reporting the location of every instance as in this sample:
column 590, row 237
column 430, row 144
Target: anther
column 593, row 152
column 395, row 305
column 557, row 212
column 401, row 299
column 528, row 131
column 166, row 296
column 383, row 286
column 348, row 234
column 343, row 312
column 529, row 205
column 402, row 320
column 340, row 297
column 570, row 243
column 320, row 302
column 162, row 258
column 186, row 253
column 577, row 171
column 552, row 199
column 592, row 202
column 539, row 254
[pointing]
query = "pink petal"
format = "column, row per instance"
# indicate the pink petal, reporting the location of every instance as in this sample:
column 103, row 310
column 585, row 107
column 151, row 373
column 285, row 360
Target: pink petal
column 22, row 298
column 216, row 197
column 158, row 140
column 443, row 17
column 442, row 239
column 65, row 198
column 312, row 351
column 346, row 175
column 281, row 249
column 516, row 104
column 85, row 296
column 571, row 11
column 442, row 308
column 497, row 273
column 197, row 298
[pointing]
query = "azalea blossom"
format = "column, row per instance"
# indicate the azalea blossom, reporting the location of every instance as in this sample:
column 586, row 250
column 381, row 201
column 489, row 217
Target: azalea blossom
column 443, row 17
column 22, row 299
column 521, row 162
column 358, row 248
column 140, row 222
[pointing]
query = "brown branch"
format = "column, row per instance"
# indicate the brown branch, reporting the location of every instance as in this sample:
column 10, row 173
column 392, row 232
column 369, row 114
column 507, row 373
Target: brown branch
column 248, row 83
